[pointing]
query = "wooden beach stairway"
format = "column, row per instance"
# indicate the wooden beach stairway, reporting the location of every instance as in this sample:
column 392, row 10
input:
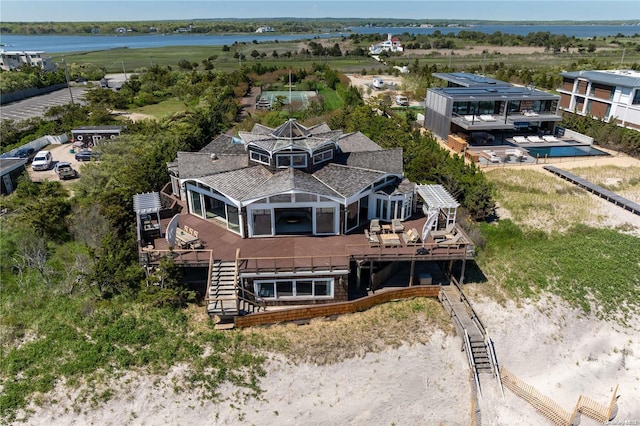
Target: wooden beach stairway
column 226, row 299
column 476, row 342
column 222, row 295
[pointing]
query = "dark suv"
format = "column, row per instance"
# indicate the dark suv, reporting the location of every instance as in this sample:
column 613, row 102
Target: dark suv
column 87, row 155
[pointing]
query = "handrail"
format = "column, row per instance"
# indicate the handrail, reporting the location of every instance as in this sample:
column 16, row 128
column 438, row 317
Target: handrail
column 277, row 263
column 235, row 280
column 472, row 362
column 241, row 295
column 209, row 273
column 494, row 361
column 474, row 317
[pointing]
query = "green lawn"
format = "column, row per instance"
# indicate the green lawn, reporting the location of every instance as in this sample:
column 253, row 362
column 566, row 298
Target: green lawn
column 162, row 109
column 332, row 101
column 594, row 269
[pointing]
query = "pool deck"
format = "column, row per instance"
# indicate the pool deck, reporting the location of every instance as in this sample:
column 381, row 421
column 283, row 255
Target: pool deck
column 501, row 152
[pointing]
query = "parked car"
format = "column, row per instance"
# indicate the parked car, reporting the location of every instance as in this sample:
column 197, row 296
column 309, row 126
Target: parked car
column 27, row 153
column 64, row 170
column 87, row 155
column 42, row 161
column 402, row 100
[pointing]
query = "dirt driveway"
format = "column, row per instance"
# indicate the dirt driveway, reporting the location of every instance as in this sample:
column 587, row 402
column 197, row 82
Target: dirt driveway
column 59, row 153
column 365, row 83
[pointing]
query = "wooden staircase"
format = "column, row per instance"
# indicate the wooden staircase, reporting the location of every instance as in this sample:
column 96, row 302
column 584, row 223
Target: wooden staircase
column 223, row 295
column 481, row 355
column 226, row 299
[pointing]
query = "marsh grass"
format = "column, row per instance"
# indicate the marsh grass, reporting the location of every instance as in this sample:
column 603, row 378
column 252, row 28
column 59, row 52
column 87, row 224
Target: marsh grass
column 540, row 201
column 381, row 327
column 624, row 181
column 596, row 270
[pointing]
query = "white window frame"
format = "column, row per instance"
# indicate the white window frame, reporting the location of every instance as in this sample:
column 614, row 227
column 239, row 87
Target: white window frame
column 291, row 162
column 323, row 156
column 313, row 296
column 261, row 158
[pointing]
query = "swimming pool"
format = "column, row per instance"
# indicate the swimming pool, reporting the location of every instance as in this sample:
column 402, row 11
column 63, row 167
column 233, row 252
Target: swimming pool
column 564, row 151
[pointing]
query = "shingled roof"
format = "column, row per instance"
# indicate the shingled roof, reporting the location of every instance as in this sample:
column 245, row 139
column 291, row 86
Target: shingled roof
column 387, row 160
column 223, row 145
column 237, row 184
column 289, row 180
column 357, row 141
column 347, row 181
column 199, row 164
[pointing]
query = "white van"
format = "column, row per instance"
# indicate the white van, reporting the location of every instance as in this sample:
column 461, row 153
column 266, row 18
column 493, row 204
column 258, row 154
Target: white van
column 42, row 161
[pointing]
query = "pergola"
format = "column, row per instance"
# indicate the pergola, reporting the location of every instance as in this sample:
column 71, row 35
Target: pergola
column 146, row 205
column 436, row 198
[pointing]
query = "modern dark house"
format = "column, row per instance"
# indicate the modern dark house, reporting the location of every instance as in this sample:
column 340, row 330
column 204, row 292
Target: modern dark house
column 483, row 110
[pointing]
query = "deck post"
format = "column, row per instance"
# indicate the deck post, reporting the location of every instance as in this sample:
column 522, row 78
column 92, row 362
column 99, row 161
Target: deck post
column 464, row 262
column 413, row 269
column 358, row 275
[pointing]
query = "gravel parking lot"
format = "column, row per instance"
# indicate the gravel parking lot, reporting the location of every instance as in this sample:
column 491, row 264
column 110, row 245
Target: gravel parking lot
column 59, row 153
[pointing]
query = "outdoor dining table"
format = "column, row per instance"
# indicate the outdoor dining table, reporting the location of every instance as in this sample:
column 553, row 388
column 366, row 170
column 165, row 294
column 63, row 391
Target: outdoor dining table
column 184, row 238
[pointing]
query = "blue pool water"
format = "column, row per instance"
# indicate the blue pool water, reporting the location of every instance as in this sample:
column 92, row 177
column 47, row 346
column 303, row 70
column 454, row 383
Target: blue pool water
column 564, row 151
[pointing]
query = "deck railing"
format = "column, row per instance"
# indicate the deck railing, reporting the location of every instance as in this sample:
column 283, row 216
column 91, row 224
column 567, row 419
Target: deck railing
column 292, row 264
column 181, row 256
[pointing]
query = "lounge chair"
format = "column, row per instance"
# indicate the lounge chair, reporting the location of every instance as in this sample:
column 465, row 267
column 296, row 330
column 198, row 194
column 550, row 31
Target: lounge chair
column 520, row 139
column 550, row 138
column 397, row 226
column 535, row 139
column 487, row 117
column 372, row 239
column 411, row 236
column 443, row 232
column 456, row 241
column 374, row 226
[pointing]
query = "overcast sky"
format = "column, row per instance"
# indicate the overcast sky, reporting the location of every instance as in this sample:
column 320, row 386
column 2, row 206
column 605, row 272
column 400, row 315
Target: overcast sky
column 149, row 10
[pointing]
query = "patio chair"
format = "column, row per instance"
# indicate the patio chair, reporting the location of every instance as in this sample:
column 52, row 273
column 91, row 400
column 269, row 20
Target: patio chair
column 372, row 239
column 374, row 226
column 443, row 232
column 456, row 241
column 411, row 236
column 397, row 226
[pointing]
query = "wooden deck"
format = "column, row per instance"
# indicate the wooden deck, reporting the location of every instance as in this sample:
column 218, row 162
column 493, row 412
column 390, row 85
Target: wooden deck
column 334, row 251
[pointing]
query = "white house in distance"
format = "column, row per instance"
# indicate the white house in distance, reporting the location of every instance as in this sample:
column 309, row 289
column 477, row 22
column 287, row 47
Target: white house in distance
column 608, row 95
column 265, row 30
column 391, row 44
column 13, row 60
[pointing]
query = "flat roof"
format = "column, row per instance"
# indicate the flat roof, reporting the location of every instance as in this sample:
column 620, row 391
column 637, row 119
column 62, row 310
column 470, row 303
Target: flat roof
column 500, row 92
column 97, row 129
column 466, row 79
column 625, row 78
column 10, row 164
column 437, row 197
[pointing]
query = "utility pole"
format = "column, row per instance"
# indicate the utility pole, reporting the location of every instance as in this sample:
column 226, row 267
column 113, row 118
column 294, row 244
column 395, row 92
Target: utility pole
column 123, row 70
column 66, row 75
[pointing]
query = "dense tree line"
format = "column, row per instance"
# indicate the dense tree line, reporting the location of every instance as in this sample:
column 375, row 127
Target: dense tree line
column 28, row 77
column 424, row 161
